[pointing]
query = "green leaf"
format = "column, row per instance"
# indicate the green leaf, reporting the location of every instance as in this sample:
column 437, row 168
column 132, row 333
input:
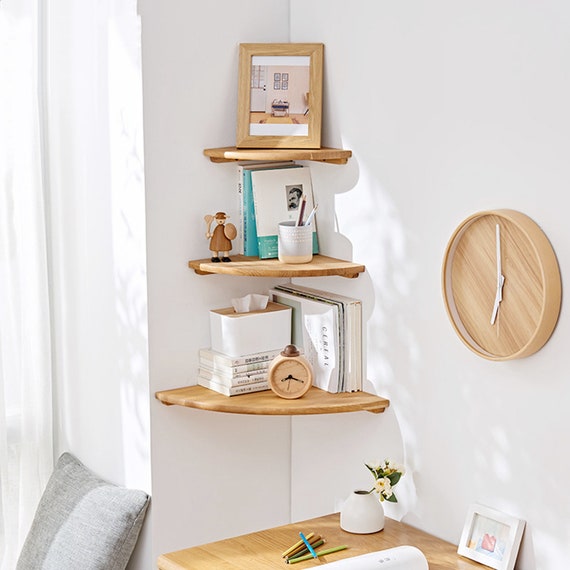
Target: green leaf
column 371, row 470
column 394, row 478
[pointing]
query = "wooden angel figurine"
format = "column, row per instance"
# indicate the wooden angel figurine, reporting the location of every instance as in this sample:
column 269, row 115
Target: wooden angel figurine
column 222, row 236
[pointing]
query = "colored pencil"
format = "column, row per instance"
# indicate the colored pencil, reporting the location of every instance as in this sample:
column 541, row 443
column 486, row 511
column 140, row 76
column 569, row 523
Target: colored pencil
column 308, row 544
column 306, row 550
column 300, row 547
column 321, row 553
column 297, row 545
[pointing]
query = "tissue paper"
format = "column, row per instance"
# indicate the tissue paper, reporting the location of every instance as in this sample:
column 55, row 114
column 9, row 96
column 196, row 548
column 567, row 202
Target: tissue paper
column 251, row 302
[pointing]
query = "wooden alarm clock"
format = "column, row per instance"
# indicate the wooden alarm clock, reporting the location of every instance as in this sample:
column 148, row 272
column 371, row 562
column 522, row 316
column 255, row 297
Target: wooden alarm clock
column 290, row 374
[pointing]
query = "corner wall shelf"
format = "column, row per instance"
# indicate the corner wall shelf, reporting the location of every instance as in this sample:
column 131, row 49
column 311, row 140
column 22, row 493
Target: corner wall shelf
column 320, row 266
column 323, row 154
column 266, row 403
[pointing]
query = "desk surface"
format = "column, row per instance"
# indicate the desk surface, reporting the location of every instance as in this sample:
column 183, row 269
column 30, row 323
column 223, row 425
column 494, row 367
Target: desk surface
column 262, row 550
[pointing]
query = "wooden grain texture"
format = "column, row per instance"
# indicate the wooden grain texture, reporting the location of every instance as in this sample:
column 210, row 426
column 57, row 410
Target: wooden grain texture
column 320, row 266
column 313, row 140
column 323, row 154
column 263, row 550
column 266, row 403
column 531, row 293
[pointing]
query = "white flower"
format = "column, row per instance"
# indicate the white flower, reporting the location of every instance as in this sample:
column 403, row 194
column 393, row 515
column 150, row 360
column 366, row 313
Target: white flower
column 393, row 466
column 383, row 487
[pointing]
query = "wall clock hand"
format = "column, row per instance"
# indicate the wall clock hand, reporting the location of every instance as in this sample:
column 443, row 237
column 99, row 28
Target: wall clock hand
column 500, row 276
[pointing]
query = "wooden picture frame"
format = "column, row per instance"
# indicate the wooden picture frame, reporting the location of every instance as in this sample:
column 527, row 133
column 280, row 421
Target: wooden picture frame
column 491, row 537
column 290, row 118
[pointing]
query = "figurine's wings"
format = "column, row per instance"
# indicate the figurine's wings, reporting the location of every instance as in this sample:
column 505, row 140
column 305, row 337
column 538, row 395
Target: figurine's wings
column 230, row 231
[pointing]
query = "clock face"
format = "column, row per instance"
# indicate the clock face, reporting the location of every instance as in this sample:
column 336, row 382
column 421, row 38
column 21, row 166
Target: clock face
column 501, row 284
column 290, row 377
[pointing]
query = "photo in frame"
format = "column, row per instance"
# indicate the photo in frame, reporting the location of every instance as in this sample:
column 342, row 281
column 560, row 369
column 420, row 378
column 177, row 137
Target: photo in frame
column 280, row 95
column 491, row 537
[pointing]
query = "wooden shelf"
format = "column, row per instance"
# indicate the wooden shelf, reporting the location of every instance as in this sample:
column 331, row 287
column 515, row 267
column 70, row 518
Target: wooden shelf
column 266, row 403
column 324, row 154
column 320, row 266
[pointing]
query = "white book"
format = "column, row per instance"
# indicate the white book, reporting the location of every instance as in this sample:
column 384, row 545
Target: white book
column 232, row 390
column 233, row 371
column 316, row 330
column 351, row 310
column 277, row 198
column 241, row 380
column 227, row 360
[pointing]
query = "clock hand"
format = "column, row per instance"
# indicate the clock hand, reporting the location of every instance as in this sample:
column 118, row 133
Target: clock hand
column 500, row 276
column 291, row 377
column 288, row 379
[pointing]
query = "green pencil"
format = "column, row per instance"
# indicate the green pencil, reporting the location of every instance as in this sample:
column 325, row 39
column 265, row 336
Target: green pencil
column 321, row 553
column 306, row 550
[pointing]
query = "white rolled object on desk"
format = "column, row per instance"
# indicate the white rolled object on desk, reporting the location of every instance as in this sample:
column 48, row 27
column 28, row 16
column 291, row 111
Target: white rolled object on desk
column 398, row 558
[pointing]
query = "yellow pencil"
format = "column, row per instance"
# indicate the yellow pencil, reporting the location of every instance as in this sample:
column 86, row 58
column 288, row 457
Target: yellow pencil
column 302, row 546
column 321, row 553
column 306, row 550
column 297, row 544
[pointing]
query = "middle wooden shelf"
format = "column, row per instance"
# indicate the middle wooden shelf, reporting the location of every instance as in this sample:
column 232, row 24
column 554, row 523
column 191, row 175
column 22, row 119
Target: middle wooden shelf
column 315, row 401
column 320, row 266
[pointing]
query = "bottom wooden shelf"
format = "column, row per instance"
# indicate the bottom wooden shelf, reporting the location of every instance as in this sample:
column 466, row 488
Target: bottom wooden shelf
column 266, row 403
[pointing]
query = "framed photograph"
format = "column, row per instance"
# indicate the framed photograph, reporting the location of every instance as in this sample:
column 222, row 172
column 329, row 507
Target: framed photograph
column 269, row 118
column 491, row 537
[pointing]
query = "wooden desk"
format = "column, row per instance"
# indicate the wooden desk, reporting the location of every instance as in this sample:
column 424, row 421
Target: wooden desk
column 262, row 550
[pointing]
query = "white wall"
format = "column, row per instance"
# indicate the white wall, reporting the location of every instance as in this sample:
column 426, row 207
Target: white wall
column 450, row 108
column 214, row 475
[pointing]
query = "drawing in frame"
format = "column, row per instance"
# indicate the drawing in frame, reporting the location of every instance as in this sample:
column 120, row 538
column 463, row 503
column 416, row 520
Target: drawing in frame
column 491, row 537
column 275, row 118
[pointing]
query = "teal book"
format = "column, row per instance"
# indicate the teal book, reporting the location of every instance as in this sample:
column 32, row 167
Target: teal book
column 277, row 198
column 249, row 225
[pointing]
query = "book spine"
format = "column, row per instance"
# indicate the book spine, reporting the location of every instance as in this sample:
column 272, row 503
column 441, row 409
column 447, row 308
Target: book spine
column 250, row 227
column 241, row 229
column 224, row 360
column 232, row 381
column 233, row 390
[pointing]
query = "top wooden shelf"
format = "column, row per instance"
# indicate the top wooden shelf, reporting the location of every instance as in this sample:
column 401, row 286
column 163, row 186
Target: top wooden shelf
column 324, row 154
column 320, row 266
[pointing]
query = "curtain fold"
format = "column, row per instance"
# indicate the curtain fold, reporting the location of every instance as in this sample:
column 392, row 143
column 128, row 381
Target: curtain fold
column 26, row 450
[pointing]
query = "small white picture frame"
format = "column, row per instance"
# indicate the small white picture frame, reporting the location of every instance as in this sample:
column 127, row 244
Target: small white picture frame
column 491, row 537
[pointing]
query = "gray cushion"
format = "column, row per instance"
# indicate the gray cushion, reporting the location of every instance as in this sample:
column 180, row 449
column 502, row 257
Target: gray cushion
column 83, row 522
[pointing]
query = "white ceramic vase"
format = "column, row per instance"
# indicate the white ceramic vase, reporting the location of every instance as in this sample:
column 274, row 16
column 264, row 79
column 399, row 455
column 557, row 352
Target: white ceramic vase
column 362, row 513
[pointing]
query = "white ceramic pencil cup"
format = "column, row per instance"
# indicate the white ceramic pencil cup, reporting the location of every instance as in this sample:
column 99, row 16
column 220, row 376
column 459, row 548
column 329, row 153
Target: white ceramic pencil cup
column 295, row 243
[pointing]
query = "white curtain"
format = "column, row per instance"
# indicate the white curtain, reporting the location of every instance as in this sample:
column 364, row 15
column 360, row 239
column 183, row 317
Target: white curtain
column 71, row 181
column 25, row 340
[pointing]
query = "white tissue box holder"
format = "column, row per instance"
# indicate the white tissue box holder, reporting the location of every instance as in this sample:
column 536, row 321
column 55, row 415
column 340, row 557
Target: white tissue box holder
column 238, row 334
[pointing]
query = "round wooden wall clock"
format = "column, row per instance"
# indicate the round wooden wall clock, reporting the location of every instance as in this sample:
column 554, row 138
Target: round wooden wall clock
column 290, row 374
column 501, row 284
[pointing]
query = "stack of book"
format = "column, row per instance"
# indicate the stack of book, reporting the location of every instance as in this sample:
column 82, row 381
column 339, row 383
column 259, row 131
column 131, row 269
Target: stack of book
column 269, row 193
column 234, row 375
column 328, row 327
